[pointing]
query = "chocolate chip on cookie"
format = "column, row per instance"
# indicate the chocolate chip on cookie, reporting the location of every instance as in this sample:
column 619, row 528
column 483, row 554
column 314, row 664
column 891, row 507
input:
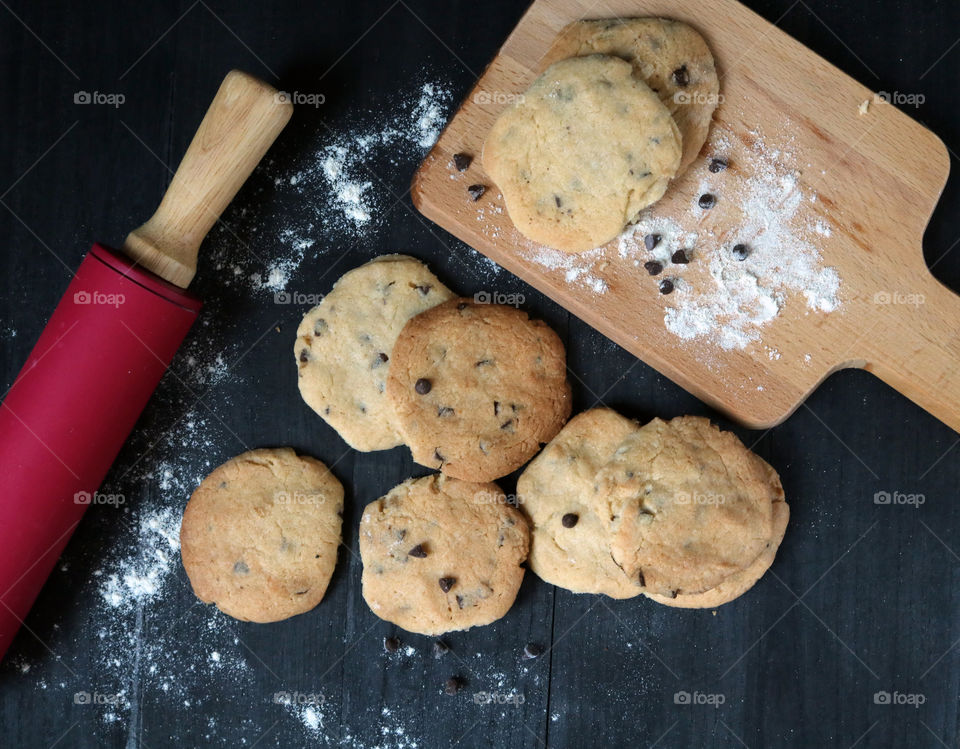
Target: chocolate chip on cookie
column 462, row 161
column 570, row 519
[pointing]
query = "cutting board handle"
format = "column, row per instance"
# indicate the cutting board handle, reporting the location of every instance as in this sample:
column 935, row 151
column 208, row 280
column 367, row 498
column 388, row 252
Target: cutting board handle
column 915, row 346
column 242, row 122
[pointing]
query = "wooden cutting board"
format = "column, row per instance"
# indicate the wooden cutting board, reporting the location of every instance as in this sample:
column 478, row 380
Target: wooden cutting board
column 869, row 184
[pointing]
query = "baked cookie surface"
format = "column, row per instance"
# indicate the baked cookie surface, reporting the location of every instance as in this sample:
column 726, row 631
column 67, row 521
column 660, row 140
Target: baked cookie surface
column 441, row 554
column 569, row 538
column 477, row 388
column 344, row 344
column 260, row 535
column 582, row 152
column 669, row 56
column 688, row 505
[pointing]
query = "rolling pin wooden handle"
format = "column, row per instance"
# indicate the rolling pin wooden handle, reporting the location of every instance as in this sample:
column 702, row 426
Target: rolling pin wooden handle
column 916, row 348
column 242, row 122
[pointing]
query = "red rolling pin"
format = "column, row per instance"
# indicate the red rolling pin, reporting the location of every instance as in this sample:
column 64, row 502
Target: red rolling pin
column 109, row 341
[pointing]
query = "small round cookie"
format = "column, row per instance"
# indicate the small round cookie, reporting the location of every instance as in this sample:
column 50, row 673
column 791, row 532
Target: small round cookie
column 739, row 582
column 260, row 534
column 669, row 56
column 477, row 388
column 569, row 538
column 441, row 554
column 688, row 505
column 344, row 345
column 582, row 152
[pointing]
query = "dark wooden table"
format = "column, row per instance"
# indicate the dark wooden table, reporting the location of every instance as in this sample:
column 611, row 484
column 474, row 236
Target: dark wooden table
column 864, row 598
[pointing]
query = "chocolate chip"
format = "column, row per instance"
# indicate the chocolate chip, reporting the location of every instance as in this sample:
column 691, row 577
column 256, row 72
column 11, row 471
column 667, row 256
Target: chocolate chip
column 508, row 424
column 707, row 201
column 740, row 252
column 462, row 306
column 532, row 650
column 680, row 257
column 718, row 165
column 453, row 685
column 241, row 568
column 424, row 289
column 653, row 267
column 438, row 457
column 641, row 579
column 391, row 644
column 570, row 519
column 423, row 386
column 483, row 362
column 666, row 286
column 304, row 355
column 476, row 191
column 459, row 602
column 440, row 649
column 496, row 408
column 320, row 327
column 674, row 593
column 556, row 199
column 384, row 357
column 681, row 76
column 444, row 411
column 651, row 240
column 462, row 161
column 418, row 551
column 446, row 583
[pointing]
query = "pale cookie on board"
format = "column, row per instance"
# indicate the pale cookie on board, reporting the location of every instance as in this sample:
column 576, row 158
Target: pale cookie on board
column 688, row 505
column 441, row 554
column 477, row 388
column 582, row 152
column 260, row 535
column 344, row 345
column 669, row 56
column 569, row 540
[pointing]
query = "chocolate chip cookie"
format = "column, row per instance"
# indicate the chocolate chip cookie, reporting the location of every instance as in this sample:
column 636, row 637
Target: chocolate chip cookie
column 569, row 540
column 477, row 388
column 441, row 554
column 669, row 56
column 582, row 152
column 688, row 506
column 344, row 345
column 260, row 535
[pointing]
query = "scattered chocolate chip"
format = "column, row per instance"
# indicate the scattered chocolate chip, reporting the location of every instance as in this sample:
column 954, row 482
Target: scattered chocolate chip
column 438, row 457
column 453, row 685
column 641, row 579
column 483, row 362
column 674, row 593
column 740, row 252
column 680, row 257
column 507, row 424
column 570, row 519
column 651, row 240
column 653, row 267
column 666, row 286
column 496, row 408
column 476, row 191
column 556, row 199
column 462, row 161
column 418, row 551
column 241, row 568
column 391, row 644
column 681, row 76
column 304, row 355
column 320, row 327
column 444, row 411
column 718, row 165
column 424, row 289
column 707, row 201
column 532, row 650
column 423, row 386
column 446, row 583
column 459, row 602
column 440, row 649
column 384, row 357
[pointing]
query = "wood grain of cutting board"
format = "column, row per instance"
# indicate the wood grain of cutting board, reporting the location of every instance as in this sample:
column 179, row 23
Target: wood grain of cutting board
column 868, row 182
